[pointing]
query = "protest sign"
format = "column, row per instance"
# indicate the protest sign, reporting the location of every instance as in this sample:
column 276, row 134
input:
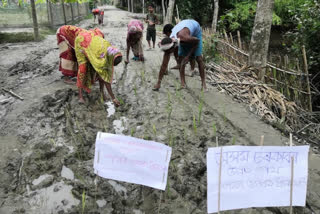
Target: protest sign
column 132, row 160
column 257, row 176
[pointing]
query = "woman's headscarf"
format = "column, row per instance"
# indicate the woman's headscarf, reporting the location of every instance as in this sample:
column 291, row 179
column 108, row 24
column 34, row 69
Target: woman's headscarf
column 135, row 26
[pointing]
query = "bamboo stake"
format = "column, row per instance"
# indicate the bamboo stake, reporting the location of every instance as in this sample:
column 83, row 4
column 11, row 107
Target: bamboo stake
column 292, row 176
column 307, row 72
column 285, row 60
column 239, row 40
column 262, row 140
column 225, row 35
column 178, row 13
column 231, row 38
column 219, row 188
column 297, row 65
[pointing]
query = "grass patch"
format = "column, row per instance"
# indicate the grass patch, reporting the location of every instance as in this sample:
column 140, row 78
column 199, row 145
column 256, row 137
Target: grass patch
column 24, row 36
column 214, row 128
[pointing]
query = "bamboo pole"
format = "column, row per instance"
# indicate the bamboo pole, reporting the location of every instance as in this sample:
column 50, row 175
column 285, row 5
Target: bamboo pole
column 219, row 188
column 307, row 73
column 292, row 176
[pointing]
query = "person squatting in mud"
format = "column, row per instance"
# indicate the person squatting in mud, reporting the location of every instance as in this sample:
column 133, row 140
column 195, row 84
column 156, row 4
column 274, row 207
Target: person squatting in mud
column 186, row 39
column 66, row 35
column 95, row 58
column 100, row 14
column 134, row 40
column 152, row 20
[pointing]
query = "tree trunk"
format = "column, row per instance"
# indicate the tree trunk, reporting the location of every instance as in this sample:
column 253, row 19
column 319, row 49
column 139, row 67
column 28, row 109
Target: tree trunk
column 128, row 5
column 215, row 16
column 34, row 19
column 259, row 44
column 78, row 10
column 163, row 11
column 170, row 12
column 72, row 16
column 48, row 12
column 64, row 12
column 51, row 17
column 131, row 6
column 143, row 6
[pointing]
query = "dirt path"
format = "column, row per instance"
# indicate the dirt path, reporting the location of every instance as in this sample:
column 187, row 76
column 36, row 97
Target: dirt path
column 47, row 140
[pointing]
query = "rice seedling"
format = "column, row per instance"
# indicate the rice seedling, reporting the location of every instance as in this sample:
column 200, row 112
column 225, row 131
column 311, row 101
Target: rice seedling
column 53, row 142
column 69, row 129
column 184, row 133
column 142, row 75
column 224, row 114
column 154, row 130
column 132, row 132
column 168, row 189
column 83, row 201
column 121, row 101
column 194, row 125
column 233, row 142
column 200, row 107
column 171, row 140
column 135, row 90
column 81, row 128
column 169, row 107
column 105, row 128
column 214, row 128
column 101, row 98
column 178, row 91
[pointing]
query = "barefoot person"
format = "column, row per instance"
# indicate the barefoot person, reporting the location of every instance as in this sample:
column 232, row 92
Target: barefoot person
column 167, row 30
column 95, row 12
column 168, row 46
column 152, row 20
column 100, row 17
column 96, row 58
column 134, row 40
column 189, row 36
column 66, row 36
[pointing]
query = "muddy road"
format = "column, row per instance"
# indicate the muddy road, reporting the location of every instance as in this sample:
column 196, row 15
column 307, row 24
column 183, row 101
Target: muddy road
column 47, row 140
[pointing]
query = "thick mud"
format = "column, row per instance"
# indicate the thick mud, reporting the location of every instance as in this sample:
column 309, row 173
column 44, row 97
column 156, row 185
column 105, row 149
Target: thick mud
column 47, row 140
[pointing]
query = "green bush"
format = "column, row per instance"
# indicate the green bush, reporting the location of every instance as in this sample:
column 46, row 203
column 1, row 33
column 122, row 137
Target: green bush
column 209, row 49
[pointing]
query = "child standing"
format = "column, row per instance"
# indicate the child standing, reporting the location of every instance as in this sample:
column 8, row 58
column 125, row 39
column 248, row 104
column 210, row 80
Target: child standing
column 152, row 20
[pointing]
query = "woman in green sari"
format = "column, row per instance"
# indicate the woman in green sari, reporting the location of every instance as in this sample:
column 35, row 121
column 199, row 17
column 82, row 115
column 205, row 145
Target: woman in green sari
column 96, row 58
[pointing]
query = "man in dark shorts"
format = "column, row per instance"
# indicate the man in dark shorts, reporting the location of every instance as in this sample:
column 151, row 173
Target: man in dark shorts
column 152, row 20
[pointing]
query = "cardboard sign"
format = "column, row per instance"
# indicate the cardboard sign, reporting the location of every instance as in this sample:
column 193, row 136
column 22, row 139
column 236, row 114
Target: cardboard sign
column 257, row 176
column 132, row 160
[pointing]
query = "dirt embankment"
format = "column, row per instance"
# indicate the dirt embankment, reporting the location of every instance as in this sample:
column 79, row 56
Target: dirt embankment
column 48, row 139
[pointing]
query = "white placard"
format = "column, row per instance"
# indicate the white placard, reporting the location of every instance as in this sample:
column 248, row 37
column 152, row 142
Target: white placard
column 132, row 160
column 256, row 176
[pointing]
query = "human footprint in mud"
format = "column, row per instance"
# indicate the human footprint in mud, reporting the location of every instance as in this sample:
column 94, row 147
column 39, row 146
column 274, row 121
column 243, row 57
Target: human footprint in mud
column 187, row 36
column 66, row 35
column 134, row 40
column 96, row 58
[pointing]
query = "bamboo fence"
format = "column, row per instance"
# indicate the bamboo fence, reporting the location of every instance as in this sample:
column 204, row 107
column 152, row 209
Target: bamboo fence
column 288, row 76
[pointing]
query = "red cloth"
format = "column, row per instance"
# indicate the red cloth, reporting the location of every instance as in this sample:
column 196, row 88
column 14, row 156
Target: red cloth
column 95, row 11
column 68, row 34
